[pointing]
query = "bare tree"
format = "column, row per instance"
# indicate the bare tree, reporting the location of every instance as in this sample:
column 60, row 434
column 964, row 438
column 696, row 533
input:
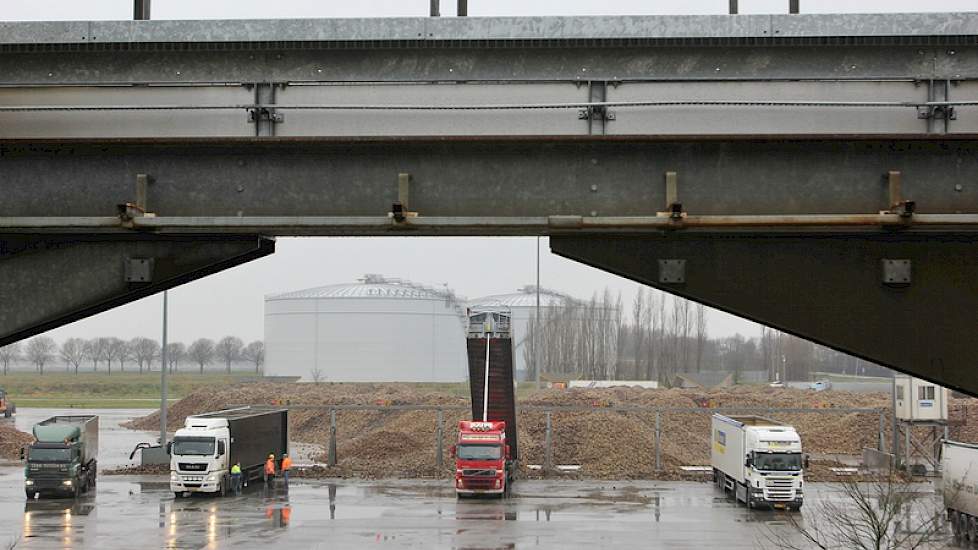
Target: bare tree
column 701, row 337
column 115, row 349
column 72, row 353
column 95, row 351
column 9, row 354
column 175, row 353
column 144, row 351
column 255, row 353
column 40, row 350
column 885, row 513
column 317, row 375
column 228, row 349
column 201, row 352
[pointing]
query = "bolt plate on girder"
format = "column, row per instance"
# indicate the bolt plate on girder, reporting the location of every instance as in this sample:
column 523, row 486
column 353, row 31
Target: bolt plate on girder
column 672, row 271
column 139, row 270
column 896, row 272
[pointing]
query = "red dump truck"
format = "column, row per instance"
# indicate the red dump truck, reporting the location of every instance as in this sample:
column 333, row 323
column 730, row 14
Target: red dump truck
column 486, row 451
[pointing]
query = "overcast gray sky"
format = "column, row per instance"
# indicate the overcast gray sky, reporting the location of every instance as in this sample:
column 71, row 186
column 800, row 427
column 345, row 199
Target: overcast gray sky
column 232, row 302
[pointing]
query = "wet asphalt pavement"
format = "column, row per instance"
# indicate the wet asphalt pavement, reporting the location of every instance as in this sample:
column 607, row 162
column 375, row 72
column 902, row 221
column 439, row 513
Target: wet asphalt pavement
column 140, row 512
column 132, row 512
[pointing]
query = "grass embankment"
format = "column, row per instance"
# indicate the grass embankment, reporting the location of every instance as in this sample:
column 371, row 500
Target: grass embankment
column 99, row 390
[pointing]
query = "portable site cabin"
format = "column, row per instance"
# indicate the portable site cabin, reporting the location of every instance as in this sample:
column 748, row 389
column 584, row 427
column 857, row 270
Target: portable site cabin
column 919, row 400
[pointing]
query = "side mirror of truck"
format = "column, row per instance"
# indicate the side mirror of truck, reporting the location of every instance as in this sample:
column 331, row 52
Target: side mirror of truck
column 22, row 453
column 169, row 448
column 748, row 462
column 807, row 461
column 220, row 448
column 507, row 452
column 451, row 451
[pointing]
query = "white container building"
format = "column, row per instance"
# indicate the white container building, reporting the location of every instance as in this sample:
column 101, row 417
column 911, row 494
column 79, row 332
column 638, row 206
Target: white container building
column 919, row 400
column 374, row 330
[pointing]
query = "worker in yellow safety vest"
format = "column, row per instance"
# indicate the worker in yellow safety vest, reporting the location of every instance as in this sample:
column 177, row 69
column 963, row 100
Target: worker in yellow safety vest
column 236, row 478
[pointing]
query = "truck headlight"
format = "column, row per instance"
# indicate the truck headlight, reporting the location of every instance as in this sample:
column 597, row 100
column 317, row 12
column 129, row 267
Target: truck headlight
column 211, row 478
column 29, row 482
column 174, row 477
column 66, row 482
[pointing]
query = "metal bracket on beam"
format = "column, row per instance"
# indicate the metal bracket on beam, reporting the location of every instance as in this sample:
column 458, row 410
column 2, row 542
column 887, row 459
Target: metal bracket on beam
column 401, row 208
column 674, row 208
column 261, row 115
column 672, row 271
column 140, row 208
column 937, row 112
column 905, row 208
column 596, row 115
column 896, row 273
column 139, row 270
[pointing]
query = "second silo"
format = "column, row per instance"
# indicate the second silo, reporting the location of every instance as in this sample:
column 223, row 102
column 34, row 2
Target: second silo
column 522, row 305
column 374, row 330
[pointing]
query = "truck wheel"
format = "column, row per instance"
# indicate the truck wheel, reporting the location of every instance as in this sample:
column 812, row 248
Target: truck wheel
column 7, row 413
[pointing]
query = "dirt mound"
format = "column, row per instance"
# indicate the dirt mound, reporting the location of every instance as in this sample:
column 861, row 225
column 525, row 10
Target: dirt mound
column 606, row 444
column 12, row 441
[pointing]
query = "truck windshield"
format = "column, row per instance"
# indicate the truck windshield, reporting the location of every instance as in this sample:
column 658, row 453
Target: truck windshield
column 781, row 462
column 49, row 455
column 202, row 446
column 478, row 452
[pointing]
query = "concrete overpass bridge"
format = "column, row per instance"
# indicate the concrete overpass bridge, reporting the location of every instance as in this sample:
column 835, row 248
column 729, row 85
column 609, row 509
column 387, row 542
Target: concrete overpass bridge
column 816, row 173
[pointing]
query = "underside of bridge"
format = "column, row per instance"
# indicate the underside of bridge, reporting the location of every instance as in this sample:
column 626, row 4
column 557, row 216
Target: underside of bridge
column 815, row 173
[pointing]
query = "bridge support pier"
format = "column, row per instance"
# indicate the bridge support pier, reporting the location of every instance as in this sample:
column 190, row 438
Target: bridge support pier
column 905, row 300
column 49, row 280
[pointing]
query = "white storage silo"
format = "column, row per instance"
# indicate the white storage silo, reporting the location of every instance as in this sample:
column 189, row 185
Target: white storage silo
column 375, row 330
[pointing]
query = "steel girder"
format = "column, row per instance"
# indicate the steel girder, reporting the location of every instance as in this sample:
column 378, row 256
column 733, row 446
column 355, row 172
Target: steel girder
column 50, row 280
column 907, row 302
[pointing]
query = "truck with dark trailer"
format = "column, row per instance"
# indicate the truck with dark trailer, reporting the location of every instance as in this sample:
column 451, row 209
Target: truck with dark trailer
column 203, row 451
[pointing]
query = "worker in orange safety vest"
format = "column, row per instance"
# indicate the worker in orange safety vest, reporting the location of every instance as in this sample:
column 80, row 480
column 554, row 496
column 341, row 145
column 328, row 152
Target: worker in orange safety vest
column 286, row 466
column 270, row 468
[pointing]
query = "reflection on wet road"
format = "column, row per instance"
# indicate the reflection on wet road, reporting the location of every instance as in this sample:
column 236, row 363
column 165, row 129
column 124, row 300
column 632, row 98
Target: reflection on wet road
column 130, row 512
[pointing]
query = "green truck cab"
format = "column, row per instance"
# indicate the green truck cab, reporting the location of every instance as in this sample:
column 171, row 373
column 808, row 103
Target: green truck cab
column 63, row 459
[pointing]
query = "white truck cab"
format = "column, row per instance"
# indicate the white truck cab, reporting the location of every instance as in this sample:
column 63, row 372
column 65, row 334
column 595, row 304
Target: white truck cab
column 199, row 457
column 759, row 460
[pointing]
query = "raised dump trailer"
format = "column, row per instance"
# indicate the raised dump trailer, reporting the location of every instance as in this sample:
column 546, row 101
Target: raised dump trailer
column 758, row 460
column 203, row 451
column 63, row 461
column 959, row 464
column 486, row 451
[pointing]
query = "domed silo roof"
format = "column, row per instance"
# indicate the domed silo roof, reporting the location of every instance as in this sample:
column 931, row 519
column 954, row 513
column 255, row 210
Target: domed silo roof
column 375, row 330
column 523, row 298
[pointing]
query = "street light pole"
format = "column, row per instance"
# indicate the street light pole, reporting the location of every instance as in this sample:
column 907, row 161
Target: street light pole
column 536, row 328
column 163, row 369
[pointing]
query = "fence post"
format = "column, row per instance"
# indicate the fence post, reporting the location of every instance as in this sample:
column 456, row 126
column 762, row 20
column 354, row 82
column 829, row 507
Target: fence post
column 882, row 436
column 547, row 443
column 331, row 460
column 658, row 438
column 440, row 437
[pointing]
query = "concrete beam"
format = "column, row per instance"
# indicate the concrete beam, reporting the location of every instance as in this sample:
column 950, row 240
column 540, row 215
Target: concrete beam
column 49, row 280
column 904, row 301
